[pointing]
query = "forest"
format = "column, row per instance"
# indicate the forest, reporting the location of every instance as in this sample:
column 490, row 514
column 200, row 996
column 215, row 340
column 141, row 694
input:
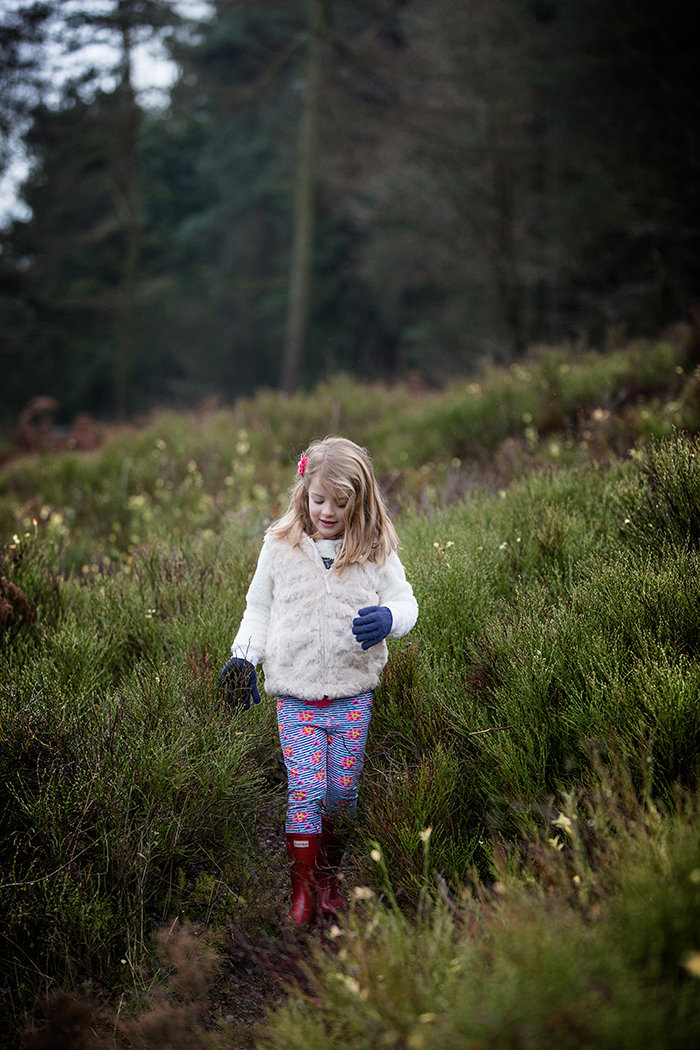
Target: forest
column 389, row 189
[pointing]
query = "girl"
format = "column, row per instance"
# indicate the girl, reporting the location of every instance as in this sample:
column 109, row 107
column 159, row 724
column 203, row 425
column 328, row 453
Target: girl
column 329, row 588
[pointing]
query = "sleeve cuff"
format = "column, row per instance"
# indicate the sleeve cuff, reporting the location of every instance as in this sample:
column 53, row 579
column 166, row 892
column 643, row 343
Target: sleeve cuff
column 246, row 653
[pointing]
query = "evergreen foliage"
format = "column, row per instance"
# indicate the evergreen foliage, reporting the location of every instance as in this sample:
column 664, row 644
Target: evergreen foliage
column 489, row 176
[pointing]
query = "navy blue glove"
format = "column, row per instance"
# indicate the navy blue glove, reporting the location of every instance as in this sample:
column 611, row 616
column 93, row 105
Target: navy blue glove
column 372, row 624
column 238, row 682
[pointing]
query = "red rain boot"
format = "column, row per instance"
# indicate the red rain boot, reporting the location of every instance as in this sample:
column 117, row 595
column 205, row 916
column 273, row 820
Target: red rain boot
column 331, row 899
column 302, row 851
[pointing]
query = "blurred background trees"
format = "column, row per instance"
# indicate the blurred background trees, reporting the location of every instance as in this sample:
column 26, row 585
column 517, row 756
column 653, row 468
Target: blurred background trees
column 383, row 187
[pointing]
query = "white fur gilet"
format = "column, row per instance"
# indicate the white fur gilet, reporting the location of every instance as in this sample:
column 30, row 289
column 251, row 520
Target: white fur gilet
column 310, row 649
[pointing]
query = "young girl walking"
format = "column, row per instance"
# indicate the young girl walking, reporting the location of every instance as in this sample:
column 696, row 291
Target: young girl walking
column 328, row 589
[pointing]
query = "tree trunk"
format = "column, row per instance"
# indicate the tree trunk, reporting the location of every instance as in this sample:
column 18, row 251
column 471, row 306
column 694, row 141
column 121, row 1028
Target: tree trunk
column 130, row 209
column 305, row 201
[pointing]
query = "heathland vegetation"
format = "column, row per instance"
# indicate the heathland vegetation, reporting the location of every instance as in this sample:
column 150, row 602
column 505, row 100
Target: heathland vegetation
column 525, row 869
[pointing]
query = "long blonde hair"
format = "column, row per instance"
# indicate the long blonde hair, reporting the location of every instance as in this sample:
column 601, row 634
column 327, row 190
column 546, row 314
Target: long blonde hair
column 346, row 471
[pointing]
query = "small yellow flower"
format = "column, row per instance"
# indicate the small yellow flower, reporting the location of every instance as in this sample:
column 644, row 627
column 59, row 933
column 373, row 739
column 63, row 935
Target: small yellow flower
column 425, row 834
column 351, row 983
column 692, row 964
column 362, row 893
column 563, row 822
column 376, row 856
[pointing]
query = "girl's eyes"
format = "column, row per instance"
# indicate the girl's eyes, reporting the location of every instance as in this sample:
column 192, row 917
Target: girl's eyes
column 319, row 500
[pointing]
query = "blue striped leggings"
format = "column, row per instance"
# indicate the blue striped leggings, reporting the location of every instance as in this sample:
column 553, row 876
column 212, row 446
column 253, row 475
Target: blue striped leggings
column 323, row 743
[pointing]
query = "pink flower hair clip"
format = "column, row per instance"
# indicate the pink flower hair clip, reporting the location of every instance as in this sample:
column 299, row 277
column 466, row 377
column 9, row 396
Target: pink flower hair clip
column 302, row 465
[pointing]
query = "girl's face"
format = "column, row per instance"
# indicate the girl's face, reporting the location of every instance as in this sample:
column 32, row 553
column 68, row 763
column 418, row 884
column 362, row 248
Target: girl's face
column 327, row 516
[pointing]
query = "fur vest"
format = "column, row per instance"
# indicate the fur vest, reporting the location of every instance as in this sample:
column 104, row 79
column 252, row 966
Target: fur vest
column 310, row 649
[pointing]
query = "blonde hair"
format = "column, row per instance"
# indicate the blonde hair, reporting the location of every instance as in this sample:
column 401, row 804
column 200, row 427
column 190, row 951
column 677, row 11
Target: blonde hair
column 346, row 471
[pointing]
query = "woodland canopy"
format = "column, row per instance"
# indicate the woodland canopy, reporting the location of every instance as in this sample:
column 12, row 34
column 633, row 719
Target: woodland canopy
column 387, row 188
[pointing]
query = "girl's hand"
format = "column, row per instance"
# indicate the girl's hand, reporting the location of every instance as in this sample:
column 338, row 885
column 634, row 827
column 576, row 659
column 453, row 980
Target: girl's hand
column 372, row 624
column 238, row 682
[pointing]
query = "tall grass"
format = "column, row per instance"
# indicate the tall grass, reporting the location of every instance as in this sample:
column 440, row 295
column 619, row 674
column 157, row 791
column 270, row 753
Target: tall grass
column 130, row 793
column 538, row 641
column 557, row 637
column 593, row 943
column 588, row 940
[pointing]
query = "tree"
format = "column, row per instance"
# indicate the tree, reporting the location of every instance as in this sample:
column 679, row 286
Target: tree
column 305, row 193
column 269, row 85
column 67, row 258
column 109, row 144
column 123, row 24
column 237, row 100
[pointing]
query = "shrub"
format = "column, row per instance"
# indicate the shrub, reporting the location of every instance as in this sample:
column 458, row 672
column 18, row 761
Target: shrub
column 665, row 510
column 126, row 785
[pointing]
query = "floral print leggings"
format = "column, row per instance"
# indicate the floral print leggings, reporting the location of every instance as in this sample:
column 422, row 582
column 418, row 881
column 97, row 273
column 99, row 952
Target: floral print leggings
column 323, row 743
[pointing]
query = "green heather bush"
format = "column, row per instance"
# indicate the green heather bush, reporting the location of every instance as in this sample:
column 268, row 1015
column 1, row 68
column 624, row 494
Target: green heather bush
column 588, row 939
column 127, row 786
column 665, row 510
column 180, row 473
column 541, row 634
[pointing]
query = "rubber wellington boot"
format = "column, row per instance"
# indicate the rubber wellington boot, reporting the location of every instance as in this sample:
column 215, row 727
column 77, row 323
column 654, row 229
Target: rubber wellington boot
column 303, row 851
column 330, row 897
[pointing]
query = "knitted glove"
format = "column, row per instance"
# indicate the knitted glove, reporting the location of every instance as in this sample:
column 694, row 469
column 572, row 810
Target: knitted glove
column 238, row 683
column 372, row 624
